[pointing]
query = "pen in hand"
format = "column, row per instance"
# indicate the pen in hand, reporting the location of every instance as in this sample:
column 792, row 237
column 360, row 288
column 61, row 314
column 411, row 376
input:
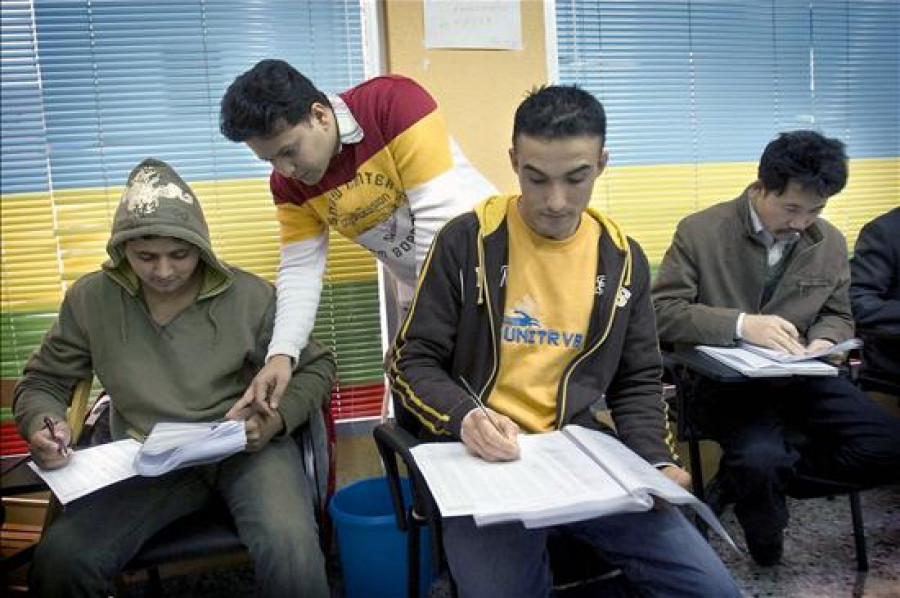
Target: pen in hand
column 482, row 407
column 60, row 444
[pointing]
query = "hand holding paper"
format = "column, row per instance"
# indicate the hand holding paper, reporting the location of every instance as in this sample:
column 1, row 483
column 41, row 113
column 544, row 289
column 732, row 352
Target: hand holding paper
column 176, row 445
column 260, row 427
column 772, row 332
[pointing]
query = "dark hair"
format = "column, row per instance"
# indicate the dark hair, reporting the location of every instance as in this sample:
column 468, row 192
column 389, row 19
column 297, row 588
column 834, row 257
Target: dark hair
column 555, row 111
column 257, row 102
column 813, row 161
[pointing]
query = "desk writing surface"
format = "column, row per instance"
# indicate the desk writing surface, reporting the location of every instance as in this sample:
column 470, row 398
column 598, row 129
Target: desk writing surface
column 20, row 479
column 705, row 365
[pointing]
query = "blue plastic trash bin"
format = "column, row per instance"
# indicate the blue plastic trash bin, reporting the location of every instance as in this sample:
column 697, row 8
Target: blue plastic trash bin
column 372, row 549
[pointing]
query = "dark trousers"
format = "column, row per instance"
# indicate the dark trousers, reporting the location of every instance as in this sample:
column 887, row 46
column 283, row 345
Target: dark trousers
column 800, row 437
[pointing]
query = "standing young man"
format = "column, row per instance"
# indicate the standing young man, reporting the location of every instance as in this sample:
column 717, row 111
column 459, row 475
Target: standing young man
column 173, row 334
column 375, row 163
column 542, row 305
column 766, row 269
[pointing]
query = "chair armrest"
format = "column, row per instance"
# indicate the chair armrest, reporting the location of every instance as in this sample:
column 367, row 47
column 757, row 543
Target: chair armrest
column 316, row 452
column 394, row 443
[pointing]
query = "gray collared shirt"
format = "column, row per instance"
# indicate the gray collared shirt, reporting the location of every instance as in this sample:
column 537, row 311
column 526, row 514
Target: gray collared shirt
column 349, row 129
column 775, row 250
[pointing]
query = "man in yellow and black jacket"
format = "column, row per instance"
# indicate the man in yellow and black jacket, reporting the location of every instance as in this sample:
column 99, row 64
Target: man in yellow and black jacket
column 542, row 306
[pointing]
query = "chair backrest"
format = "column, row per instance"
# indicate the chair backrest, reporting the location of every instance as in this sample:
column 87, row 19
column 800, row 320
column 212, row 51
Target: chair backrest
column 880, row 359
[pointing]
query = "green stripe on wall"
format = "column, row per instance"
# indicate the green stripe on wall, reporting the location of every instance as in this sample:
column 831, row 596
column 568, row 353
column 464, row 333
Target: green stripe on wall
column 351, row 328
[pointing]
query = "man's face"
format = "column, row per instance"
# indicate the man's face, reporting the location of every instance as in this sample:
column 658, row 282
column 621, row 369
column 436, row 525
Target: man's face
column 164, row 265
column 302, row 151
column 556, row 178
column 790, row 213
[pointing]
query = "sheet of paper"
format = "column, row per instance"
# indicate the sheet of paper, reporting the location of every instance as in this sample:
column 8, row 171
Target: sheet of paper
column 754, row 365
column 91, row 469
column 485, row 24
column 782, row 357
column 175, row 445
column 639, row 476
column 551, row 473
column 631, row 471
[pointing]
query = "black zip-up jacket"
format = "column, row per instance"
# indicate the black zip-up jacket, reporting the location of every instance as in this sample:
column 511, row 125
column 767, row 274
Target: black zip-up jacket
column 453, row 331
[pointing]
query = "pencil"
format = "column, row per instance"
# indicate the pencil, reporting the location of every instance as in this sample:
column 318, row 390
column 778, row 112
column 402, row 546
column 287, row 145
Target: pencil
column 481, row 406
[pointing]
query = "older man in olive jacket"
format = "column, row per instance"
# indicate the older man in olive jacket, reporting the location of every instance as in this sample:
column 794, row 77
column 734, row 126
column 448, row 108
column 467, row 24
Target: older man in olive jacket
column 766, row 269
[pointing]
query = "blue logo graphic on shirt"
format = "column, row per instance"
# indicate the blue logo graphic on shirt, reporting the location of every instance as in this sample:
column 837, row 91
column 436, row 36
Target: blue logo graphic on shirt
column 521, row 319
column 521, row 328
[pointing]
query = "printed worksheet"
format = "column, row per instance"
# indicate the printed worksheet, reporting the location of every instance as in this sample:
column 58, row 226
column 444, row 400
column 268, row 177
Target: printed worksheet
column 91, row 469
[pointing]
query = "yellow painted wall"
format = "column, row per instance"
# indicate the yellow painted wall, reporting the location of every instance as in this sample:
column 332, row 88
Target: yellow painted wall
column 479, row 90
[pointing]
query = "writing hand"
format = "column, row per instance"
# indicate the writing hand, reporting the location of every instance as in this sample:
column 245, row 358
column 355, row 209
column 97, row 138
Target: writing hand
column 481, row 437
column 45, row 446
column 260, row 427
column 266, row 388
column 677, row 475
column 773, row 332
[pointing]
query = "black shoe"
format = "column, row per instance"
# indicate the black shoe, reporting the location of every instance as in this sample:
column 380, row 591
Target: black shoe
column 766, row 551
column 718, row 495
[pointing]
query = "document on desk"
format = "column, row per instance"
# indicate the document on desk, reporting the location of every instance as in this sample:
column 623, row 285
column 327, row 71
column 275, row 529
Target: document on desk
column 755, row 365
column 564, row 476
column 91, row 469
column 784, row 357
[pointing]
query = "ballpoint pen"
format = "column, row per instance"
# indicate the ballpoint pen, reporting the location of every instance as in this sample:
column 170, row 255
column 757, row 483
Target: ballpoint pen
column 481, row 406
column 60, row 445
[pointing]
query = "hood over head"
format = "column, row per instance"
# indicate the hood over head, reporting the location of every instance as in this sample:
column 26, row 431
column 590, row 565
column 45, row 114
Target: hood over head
column 157, row 202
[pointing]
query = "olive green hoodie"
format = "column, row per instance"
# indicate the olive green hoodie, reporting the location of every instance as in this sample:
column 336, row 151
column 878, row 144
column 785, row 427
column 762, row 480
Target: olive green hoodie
column 191, row 369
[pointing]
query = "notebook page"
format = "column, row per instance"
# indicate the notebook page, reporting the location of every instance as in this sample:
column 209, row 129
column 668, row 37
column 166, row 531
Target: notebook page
column 637, row 475
column 91, row 469
column 551, row 475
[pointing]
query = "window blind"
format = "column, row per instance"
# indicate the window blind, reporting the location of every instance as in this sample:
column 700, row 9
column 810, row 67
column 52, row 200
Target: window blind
column 91, row 87
column 694, row 90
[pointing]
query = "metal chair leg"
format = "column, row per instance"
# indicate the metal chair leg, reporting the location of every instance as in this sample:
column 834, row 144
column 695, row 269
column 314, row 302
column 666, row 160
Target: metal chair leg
column 154, row 587
column 413, row 537
column 859, row 533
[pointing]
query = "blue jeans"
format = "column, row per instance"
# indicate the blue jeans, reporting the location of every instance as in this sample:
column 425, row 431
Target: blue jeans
column 659, row 552
column 266, row 492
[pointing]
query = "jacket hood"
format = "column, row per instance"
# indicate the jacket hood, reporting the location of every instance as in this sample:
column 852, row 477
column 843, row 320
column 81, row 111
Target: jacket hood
column 157, row 202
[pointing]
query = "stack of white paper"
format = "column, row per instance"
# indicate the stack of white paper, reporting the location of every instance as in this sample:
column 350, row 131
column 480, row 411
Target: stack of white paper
column 175, row 445
column 755, row 365
column 564, row 476
column 783, row 357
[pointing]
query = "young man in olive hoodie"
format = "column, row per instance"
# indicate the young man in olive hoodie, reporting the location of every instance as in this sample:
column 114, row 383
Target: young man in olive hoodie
column 173, row 334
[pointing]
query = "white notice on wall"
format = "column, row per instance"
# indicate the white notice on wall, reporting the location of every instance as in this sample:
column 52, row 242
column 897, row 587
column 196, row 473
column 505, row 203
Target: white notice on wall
column 473, row 24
